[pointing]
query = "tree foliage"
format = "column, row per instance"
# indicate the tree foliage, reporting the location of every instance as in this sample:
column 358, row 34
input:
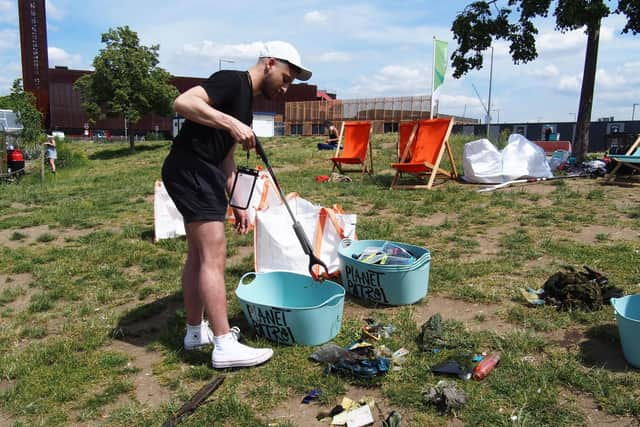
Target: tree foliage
column 127, row 80
column 481, row 22
column 24, row 105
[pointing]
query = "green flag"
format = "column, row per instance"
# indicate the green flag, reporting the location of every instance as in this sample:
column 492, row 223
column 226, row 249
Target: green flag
column 439, row 63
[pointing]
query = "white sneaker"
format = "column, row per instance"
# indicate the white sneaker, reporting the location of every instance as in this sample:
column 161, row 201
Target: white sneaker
column 197, row 338
column 229, row 353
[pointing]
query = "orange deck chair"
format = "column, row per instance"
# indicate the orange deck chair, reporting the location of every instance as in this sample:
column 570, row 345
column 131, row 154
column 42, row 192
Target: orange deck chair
column 426, row 148
column 406, row 132
column 355, row 139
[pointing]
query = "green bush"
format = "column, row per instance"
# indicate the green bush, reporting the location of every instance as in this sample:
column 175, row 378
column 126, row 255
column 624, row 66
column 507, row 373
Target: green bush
column 70, row 156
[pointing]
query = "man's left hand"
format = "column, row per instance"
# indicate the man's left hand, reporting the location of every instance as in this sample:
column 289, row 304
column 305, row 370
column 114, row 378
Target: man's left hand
column 242, row 220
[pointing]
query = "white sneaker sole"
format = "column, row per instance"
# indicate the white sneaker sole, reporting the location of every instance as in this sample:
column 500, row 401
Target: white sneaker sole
column 243, row 363
column 196, row 347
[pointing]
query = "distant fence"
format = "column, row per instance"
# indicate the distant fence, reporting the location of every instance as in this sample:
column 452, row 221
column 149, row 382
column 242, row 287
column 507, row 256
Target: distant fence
column 308, row 117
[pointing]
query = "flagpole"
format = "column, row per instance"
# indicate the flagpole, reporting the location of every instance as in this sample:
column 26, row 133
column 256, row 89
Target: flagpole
column 433, row 76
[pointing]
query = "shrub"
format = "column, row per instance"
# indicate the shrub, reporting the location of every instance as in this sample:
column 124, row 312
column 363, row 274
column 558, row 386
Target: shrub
column 70, row 156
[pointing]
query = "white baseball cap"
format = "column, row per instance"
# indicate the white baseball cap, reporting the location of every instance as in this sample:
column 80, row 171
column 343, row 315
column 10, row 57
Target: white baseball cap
column 285, row 52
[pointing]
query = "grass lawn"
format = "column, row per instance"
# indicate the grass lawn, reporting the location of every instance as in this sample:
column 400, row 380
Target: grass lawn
column 91, row 317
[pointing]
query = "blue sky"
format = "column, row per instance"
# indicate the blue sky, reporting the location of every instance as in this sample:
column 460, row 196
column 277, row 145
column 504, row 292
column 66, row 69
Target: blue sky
column 355, row 49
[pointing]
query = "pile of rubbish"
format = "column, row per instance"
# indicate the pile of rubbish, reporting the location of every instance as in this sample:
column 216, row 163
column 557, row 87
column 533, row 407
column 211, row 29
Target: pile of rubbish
column 362, row 358
column 458, row 361
column 573, row 289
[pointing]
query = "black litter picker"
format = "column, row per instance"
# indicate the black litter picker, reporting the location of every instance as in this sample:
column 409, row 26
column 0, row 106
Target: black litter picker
column 297, row 227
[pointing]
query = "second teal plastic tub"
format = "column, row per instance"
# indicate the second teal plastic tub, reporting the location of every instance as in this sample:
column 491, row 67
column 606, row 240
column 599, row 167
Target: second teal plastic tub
column 384, row 284
column 628, row 318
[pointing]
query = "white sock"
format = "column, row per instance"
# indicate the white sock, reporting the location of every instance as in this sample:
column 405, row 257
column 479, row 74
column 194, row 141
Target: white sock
column 220, row 340
column 194, row 329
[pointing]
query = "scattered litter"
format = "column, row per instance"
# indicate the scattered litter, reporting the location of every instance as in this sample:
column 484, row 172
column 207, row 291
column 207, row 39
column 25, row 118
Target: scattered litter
column 361, row 368
column 355, row 414
column 359, row 417
column 432, row 334
column 393, row 420
column 333, row 412
column 485, row 366
column 331, row 353
column 452, row 367
column 528, row 359
column 336, row 177
column 312, row 395
column 376, row 331
column 322, row 178
column 446, row 396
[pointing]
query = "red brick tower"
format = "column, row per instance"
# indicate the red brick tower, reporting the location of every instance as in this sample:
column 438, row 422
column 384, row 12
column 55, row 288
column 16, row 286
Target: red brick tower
column 35, row 59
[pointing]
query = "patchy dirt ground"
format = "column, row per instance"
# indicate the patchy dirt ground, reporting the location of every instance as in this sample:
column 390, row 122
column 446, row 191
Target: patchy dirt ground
column 148, row 390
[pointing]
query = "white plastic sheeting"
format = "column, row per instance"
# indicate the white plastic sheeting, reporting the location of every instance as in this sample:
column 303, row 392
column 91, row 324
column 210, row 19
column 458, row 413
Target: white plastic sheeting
column 521, row 158
column 167, row 221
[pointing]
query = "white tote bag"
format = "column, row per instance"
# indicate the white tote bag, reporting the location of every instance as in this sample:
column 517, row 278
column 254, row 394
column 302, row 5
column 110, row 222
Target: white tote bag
column 277, row 248
column 167, row 221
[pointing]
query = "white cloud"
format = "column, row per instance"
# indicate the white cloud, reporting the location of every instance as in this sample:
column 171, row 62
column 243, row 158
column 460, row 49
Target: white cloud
column 608, row 80
column 214, row 51
column 8, row 73
column 8, row 39
column 466, row 104
column 333, row 57
column 570, row 83
column 606, row 33
column 545, row 72
column 53, row 12
column 8, row 11
column 392, row 80
column 61, row 57
column 315, row 17
column 557, row 41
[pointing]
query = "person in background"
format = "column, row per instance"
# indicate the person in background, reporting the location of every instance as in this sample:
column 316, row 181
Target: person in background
column 333, row 137
column 196, row 173
column 51, row 154
column 334, row 134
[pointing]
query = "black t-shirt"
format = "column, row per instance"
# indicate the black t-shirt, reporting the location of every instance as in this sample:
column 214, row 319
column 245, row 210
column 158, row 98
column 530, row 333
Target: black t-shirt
column 229, row 92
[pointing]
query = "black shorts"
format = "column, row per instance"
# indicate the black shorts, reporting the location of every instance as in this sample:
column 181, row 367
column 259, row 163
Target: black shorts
column 195, row 186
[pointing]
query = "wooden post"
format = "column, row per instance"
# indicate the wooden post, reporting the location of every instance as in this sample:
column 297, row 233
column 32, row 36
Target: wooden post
column 42, row 164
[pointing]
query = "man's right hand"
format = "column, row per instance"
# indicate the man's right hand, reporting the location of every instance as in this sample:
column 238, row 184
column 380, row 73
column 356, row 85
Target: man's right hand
column 243, row 135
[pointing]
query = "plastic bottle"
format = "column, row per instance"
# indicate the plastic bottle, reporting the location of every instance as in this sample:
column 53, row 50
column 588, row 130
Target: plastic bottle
column 485, row 366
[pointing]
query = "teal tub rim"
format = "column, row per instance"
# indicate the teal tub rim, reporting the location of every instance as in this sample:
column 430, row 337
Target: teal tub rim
column 420, row 261
column 329, row 301
column 619, row 313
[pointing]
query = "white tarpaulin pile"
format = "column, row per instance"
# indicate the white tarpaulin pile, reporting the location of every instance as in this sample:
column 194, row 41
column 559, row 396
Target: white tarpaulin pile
column 484, row 163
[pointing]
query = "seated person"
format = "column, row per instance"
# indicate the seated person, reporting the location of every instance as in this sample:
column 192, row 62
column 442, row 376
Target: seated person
column 334, row 136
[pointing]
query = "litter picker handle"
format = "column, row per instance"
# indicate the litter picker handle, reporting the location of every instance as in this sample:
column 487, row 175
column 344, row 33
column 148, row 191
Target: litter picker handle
column 297, row 227
column 261, row 153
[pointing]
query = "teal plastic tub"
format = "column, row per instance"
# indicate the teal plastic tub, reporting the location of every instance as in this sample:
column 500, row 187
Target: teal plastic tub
column 291, row 308
column 628, row 317
column 384, row 284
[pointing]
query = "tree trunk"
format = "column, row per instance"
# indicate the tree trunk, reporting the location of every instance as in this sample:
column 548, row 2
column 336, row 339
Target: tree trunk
column 581, row 143
column 132, row 145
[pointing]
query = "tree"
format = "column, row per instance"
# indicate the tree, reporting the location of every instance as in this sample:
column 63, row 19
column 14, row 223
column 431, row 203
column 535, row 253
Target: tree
column 127, row 81
column 24, row 105
column 476, row 26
